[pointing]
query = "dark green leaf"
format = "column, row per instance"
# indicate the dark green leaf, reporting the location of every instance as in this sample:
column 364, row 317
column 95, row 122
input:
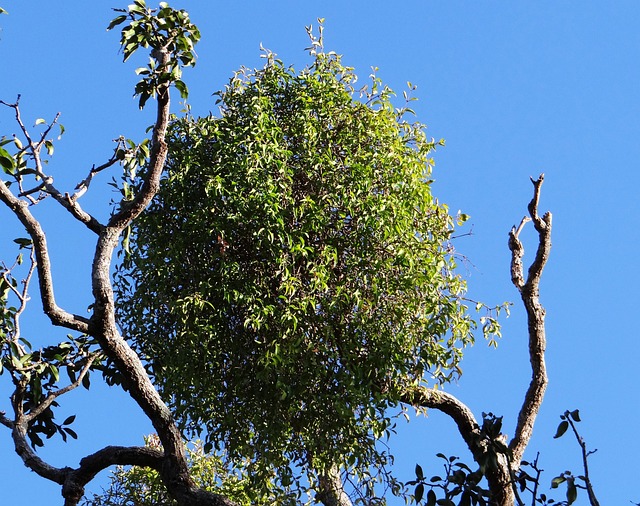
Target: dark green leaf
column 419, row 473
column 86, row 382
column 6, row 161
column 182, row 88
column 562, row 428
column 71, row 432
column 23, row 242
column 71, row 373
column 419, row 492
column 117, row 21
column 572, row 492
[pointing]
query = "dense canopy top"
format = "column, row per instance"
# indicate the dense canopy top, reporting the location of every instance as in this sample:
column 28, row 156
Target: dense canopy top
column 294, row 272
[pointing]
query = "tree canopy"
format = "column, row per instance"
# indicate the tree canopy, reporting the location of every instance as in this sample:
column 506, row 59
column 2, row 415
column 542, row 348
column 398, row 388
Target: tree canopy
column 294, row 273
column 287, row 285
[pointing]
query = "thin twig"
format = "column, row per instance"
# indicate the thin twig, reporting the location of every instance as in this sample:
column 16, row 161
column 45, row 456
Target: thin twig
column 585, row 456
column 38, row 410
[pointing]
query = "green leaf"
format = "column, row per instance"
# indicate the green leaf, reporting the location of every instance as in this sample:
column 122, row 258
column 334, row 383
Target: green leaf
column 71, row 432
column 6, row 161
column 86, row 382
column 572, row 492
column 23, row 242
column 419, row 492
column 182, row 88
column 40, row 121
column 69, row 420
column 431, row 498
column 71, row 373
column 557, row 481
column 562, row 428
column 117, row 21
column 575, row 414
column 419, row 473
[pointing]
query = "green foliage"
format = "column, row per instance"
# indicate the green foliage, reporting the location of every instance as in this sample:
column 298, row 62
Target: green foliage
column 167, row 32
column 143, row 487
column 294, row 272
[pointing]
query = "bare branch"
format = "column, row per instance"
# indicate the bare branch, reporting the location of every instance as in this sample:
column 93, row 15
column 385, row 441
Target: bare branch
column 57, row 315
column 530, row 293
column 22, row 295
column 450, row 405
column 47, row 186
column 5, row 420
column 31, row 459
column 77, row 479
column 83, row 185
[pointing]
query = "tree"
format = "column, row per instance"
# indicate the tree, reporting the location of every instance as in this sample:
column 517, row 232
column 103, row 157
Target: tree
column 99, row 344
column 35, row 373
column 315, row 338
column 293, row 275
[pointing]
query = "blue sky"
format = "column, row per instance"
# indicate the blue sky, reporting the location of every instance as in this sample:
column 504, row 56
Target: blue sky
column 515, row 88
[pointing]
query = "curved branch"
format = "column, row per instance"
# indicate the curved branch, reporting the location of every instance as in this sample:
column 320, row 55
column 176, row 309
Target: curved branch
column 449, row 405
column 31, row 458
column 530, row 294
column 130, row 210
column 174, row 472
column 57, row 315
column 91, row 465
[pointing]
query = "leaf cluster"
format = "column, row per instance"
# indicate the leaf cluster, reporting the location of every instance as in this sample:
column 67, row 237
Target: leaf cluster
column 169, row 33
column 458, row 486
column 294, row 272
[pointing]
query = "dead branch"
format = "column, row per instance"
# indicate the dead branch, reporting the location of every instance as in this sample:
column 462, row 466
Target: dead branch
column 530, row 294
column 82, row 187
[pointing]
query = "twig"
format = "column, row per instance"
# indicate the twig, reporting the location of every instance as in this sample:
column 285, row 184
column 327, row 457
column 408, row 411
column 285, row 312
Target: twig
column 585, row 456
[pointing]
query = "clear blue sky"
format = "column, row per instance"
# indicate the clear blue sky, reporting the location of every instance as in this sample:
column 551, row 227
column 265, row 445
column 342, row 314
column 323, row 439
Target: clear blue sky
column 515, row 88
